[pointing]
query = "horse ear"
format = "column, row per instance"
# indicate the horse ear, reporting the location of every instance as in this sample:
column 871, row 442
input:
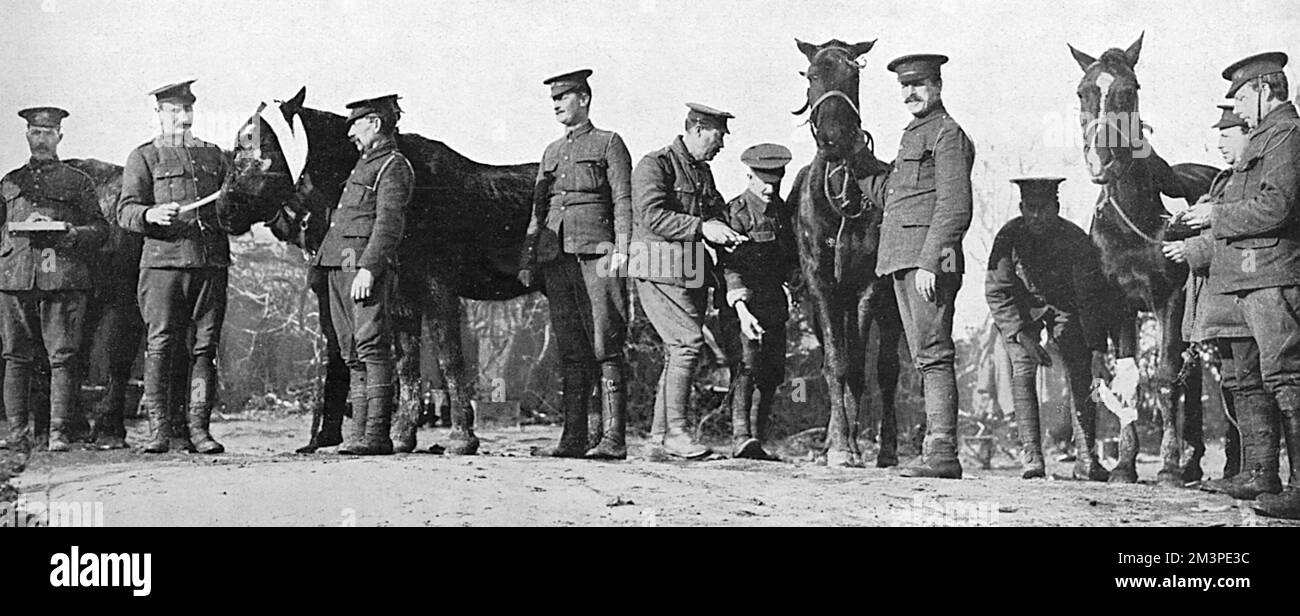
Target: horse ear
column 1085, row 61
column 807, row 49
column 295, row 103
column 861, row 49
column 1131, row 54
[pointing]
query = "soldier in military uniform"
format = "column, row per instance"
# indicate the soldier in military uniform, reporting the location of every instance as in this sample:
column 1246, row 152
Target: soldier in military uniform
column 756, row 310
column 676, row 209
column 359, row 254
column 581, row 223
column 927, row 212
column 45, row 275
column 1213, row 318
column 183, row 265
column 1257, row 260
column 1045, row 275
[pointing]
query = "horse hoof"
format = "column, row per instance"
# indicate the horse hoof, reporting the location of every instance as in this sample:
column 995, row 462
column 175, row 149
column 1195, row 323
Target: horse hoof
column 886, row 460
column 462, row 445
column 843, row 459
column 1169, row 479
column 1123, row 474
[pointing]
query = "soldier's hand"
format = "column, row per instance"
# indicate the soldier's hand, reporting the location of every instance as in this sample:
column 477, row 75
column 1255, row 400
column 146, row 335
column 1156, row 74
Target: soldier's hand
column 525, row 277
column 749, row 326
column 361, row 285
column 1174, row 251
column 1199, row 215
column 716, row 232
column 163, row 215
column 925, row 284
column 1034, row 349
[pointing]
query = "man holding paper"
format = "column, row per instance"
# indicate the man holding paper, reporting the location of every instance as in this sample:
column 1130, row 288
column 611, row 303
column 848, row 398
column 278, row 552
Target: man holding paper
column 183, row 273
column 52, row 225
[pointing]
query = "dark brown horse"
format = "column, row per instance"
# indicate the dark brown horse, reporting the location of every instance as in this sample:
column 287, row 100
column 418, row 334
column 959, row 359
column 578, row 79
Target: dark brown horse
column 464, row 227
column 1127, row 227
column 838, row 207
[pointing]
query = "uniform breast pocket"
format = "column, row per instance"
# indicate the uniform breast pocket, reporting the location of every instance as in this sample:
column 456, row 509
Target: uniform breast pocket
column 209, row 177
column 688, row 197
column 917, row 165
column 168, row 182
column 590, row 170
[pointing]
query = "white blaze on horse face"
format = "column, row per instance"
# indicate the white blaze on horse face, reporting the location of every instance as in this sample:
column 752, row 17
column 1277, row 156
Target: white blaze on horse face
column 1098, row 124
column 293, row 141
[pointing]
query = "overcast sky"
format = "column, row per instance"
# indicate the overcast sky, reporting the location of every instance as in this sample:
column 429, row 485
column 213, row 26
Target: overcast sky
column 470, row 72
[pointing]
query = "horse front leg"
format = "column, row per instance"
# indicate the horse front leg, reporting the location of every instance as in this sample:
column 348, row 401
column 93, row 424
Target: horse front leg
column 839, row 440
column 1193, row 422
column 442, row 323
column 1171, row 394
column 888, row 368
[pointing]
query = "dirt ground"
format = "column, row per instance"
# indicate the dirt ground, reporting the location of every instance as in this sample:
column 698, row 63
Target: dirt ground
column 261, row 483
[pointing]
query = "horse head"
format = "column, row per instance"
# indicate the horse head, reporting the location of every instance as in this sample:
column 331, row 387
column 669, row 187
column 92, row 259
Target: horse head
column 268, row 160
column 1108, row 111
column 832, row 102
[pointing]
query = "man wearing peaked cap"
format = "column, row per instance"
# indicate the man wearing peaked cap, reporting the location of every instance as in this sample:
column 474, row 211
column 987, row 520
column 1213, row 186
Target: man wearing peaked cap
column 183, row 268
column 676, row 210
column 1257, row 233
column 927, row 213
column 1214, row 319
column 45, row 276
column 578, row 236
column 385, row 107
column 1044, row 274
column 359, row 256
column 756, row 309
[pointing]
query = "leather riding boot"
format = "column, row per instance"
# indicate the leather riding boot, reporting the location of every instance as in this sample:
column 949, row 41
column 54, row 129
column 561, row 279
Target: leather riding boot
column 178, row 404
column 154, row 403
column 1247, row 445
column 360, row 407
column 200, row 419
column 1232, row 439
column 330, row 431
column 1126, row 470
column 17, row 390
column 1086, row 465
column 613, row 398
column 380, row 402
column 1286, row 504
column 1260, row 426
column 595, row 407
column 576, row 387
column 765, row 394
column 61, row 393
column 940, row 445
column 38, row 409
column 203, row 393
column 742, row 400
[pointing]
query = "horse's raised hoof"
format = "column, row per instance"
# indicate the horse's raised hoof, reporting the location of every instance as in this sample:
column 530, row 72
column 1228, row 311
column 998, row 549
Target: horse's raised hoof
column 1123, row 474
column 843, row 459
column 463, row 444
column 939, row 469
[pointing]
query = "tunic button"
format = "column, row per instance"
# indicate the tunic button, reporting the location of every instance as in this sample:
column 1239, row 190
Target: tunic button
column 562, row 175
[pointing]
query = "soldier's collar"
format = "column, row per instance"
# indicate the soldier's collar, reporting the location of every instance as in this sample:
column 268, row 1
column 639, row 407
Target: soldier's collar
column 756, row 202
column 579, row 130
column 37, row 163
column 381, row 146
column 679, row 146
column 1286, row 111
column 938, row 112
